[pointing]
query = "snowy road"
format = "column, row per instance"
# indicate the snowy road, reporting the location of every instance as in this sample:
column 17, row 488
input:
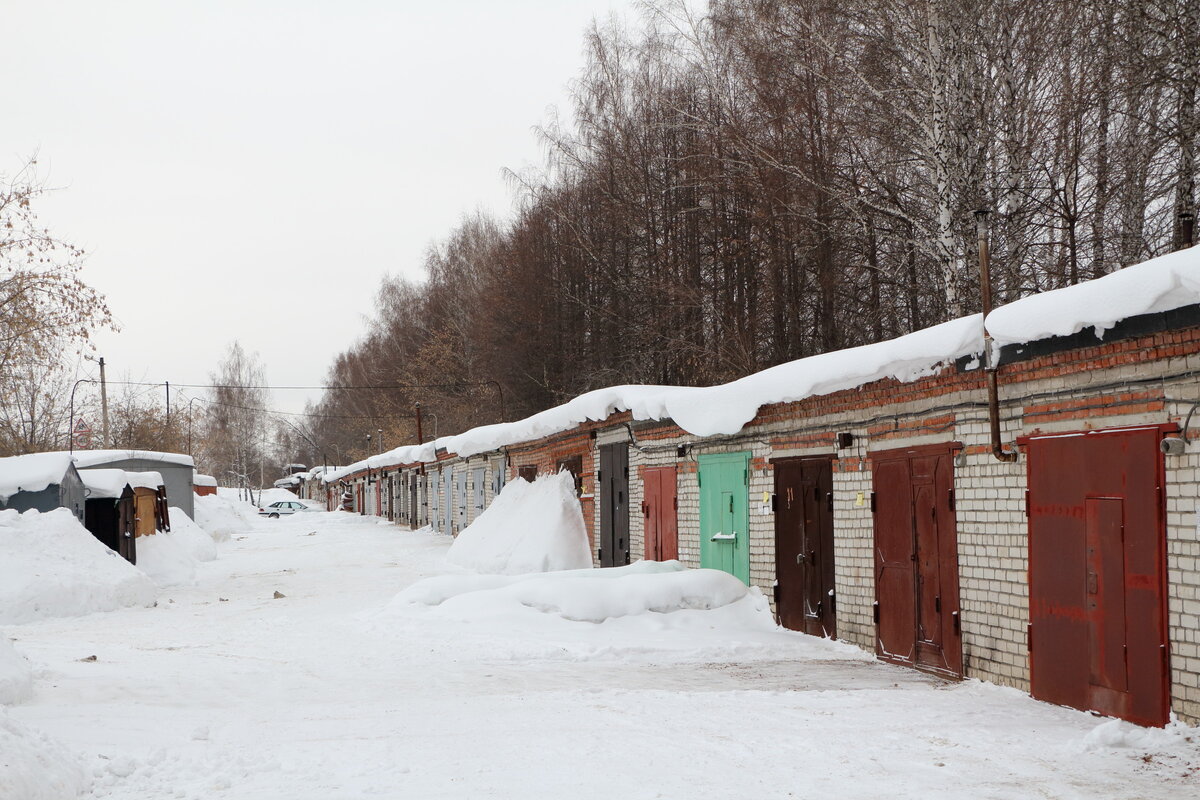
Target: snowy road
column 224, row 691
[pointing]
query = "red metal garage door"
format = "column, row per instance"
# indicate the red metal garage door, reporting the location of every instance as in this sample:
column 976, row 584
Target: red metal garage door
column 916, row 559
column 658, row 510
column 1097, row 590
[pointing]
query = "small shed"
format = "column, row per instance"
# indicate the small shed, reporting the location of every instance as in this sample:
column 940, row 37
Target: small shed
column 42, row 482
column 204, row 484
column 291, row 483
column 109, row 510
column 176, row 469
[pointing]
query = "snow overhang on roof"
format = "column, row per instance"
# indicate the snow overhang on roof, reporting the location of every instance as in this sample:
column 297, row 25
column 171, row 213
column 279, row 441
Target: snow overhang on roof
column 33, row 472
column 1160, row 284
column 204, row 480
column 95, row 458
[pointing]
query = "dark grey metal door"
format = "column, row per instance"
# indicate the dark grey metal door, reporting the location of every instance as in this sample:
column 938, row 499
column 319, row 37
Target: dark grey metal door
column 614, row 504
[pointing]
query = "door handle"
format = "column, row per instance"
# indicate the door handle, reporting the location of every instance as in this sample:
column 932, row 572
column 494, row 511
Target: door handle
column 723, row 537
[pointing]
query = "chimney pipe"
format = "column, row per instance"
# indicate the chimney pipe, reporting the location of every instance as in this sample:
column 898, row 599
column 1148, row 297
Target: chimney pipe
column 990, row 367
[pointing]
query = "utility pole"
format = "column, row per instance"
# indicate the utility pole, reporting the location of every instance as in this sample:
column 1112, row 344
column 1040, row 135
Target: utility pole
column 382, row 449
column 104, row 440
column 420, row 435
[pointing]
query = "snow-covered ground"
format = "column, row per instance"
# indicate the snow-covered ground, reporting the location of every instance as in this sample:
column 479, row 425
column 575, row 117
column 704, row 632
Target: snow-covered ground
column 500, row 687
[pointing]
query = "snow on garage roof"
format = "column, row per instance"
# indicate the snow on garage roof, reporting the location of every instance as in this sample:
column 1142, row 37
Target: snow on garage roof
column 112, row 482
column 1160, row 284
column 31, row 473
column 94, row 458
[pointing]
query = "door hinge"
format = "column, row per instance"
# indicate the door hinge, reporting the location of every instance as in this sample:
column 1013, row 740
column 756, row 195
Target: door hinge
column 950, row 498
column 957, row 623
column 1029, row 637
column 675, row 502
column 1027, row 502
column 872, row 502
column 875, row 611
column 774, row 503
column 746, row 476
column 829, row 501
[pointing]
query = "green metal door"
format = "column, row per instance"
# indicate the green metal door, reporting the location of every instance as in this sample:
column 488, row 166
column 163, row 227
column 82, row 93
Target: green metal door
column 725, row 514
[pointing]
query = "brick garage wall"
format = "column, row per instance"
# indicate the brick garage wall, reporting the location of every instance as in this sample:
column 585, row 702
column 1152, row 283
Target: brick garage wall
column 1149, row 379
column 1183, row 561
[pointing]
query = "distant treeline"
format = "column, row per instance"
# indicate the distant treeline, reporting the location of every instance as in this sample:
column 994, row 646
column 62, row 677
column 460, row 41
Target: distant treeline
column 776, row 179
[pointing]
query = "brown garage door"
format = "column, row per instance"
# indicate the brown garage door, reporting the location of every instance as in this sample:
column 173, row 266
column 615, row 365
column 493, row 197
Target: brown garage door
column 804, row 578
column 916, row 559
column 1096, row 573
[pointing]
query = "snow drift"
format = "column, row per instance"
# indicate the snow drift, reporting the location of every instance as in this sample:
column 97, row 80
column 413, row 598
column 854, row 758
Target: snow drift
column 586, row 595
column 34, row 766
column 167, row 559
column 221, row 517
column 530, row 527
column 193, row 538
column 16, row 679
column 50, row 566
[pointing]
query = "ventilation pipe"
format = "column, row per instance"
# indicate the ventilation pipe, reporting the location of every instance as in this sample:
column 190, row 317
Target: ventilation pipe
column 990, row 358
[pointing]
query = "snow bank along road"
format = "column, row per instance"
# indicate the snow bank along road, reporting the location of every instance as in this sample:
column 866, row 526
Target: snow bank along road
column 332, row 691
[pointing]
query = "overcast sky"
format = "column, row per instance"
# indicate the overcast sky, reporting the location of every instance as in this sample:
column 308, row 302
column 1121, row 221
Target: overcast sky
column 249, row 170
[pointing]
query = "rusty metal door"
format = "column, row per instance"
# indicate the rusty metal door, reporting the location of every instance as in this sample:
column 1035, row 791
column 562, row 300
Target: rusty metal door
column 804, row 594
column 1097, row 576
column 613, row 482
column 660, row 526
column 916, row 559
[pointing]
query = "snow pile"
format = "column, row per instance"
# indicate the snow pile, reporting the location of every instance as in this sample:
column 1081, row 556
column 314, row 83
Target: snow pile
column 1118, row 734
column 204, row 480
column 31, row 473
column 16, row 680
column 199, row 544
column 221, row 516
column 167, row 559
column 35, row 767
column 585, row 595
column 50, row 566
column 530, row 527
column 1161, row 284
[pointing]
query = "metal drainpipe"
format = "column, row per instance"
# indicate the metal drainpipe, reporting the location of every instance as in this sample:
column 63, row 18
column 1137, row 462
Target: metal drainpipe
column 991, row 369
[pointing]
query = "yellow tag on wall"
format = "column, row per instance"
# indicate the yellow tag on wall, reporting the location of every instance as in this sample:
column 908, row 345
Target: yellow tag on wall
column 860, row 499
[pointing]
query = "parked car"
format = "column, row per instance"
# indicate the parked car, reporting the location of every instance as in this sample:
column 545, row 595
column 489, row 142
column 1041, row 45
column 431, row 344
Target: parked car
column 283, row 508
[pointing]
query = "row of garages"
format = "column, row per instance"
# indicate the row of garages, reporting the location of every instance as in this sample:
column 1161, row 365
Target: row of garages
column 881, row 515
